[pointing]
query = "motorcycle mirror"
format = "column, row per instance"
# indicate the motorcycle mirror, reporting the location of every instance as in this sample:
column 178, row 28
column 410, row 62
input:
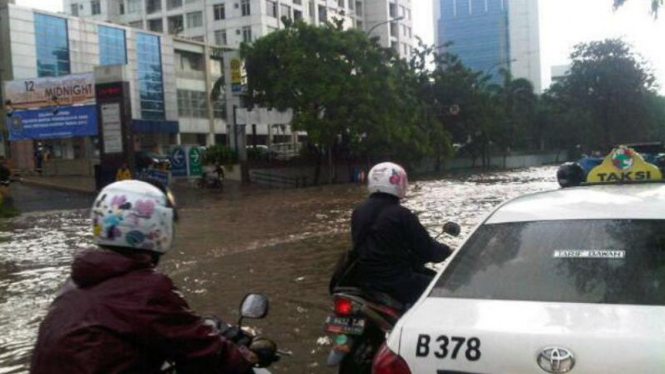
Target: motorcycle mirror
column 254, row 306
column 452, row 229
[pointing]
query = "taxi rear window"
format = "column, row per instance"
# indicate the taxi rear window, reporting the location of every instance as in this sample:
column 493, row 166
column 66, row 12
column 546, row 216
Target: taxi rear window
column 598, row 261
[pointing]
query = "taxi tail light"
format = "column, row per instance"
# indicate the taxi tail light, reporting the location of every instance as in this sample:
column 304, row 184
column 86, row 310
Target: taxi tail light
column 388, row 362
column 343, row 307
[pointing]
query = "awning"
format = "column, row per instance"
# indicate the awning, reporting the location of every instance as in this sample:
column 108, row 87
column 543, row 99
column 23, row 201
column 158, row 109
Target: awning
column 155, row 127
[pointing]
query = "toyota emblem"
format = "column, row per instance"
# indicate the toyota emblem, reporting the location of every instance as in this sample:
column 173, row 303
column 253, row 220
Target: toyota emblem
column 556, row 360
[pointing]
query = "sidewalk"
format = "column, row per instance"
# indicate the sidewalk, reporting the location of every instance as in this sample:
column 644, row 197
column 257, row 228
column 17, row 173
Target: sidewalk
column 65, row 183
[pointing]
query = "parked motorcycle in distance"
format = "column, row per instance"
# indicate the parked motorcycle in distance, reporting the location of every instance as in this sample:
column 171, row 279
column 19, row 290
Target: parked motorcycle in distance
column 253, row 306
column 361, row 321
column 212, row 177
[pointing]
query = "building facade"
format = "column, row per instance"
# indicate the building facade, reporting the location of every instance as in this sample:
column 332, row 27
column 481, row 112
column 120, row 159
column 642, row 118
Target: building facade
column 228, row 23
column 489, row 35
column 169, row 78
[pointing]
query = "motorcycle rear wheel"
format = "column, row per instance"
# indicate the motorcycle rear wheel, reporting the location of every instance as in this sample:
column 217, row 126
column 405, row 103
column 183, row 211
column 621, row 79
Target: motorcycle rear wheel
column 359, row 361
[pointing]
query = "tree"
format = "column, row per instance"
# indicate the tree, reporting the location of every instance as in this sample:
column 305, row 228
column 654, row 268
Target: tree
column 613, row 88
column 342, row 86
column 517, row 102
column 655, row 6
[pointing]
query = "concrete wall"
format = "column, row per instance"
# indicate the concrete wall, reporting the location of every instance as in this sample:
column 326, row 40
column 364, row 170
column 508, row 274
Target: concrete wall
column 285, row 177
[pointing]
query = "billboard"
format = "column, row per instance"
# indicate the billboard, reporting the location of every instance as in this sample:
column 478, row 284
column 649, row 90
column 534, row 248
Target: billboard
column 67, row 122
column 52, row 91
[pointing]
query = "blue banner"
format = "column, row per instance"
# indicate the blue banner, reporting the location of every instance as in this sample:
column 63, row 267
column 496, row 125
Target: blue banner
column 67, row 122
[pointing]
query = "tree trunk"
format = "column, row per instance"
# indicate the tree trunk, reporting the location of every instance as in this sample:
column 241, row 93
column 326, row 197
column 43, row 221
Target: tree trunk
column 331, row 166
column 317, row 170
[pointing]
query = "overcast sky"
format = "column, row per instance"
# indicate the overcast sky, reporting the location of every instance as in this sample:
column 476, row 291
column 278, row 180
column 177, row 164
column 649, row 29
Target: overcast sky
column 564, row 23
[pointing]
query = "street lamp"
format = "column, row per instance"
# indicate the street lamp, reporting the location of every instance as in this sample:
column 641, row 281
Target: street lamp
column 369, row 32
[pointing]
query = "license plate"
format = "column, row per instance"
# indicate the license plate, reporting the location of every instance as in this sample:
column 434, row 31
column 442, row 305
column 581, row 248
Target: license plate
column 347, row 326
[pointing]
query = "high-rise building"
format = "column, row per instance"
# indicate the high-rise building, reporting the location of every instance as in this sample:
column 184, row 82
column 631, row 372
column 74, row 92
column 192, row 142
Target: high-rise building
column 489, row 35
column 230, row 22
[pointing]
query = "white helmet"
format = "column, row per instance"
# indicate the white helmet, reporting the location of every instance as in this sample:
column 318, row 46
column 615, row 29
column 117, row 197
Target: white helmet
column 388, row 178
column 134, row 214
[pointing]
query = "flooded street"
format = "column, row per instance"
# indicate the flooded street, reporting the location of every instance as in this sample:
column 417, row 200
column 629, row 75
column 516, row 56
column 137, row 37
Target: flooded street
column 280, row 243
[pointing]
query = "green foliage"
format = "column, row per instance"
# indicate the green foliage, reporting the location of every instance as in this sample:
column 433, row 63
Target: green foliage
column 338, row 82
column 613, row 91
column 655, row 5
column 220, row 154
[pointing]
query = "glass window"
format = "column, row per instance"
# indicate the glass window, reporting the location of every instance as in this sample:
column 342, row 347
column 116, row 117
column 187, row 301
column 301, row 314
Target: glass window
column 134, row 6
column 112, row 46
column 580, row 261
column 176, row 25
column 75, row 10
column 189, row 61
column 297, row 2
column 359, row 8
column 136, row 25
column 194, row 19
column 52, row 40
column 246, row 10
column 156, row 25
column 221, row 37
column 220, row 12
column 172, row 4
column 323, row 14
column 272, row 8
column 247, row 34
column 340, row 3
column 297, row 15
column 150, row 78
column 96, row 7
column 121, row 8
column 153, row 6
column 393, row 10
column 192, row 104
column 285, row 11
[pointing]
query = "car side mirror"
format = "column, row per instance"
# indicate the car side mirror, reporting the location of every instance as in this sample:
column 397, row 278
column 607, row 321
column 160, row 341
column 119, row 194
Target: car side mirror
column 452, row 229
column 254, row 306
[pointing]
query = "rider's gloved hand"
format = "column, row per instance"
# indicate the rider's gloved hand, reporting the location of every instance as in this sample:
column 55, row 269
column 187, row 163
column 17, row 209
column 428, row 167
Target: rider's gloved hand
column 237, row 335
column 265, row 350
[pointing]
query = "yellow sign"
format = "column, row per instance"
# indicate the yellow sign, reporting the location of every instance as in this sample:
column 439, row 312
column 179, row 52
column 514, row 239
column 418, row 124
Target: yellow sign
column 624, row 165
column 236, row 76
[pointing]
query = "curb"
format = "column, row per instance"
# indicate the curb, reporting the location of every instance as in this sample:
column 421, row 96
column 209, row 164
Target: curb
column 54, row 186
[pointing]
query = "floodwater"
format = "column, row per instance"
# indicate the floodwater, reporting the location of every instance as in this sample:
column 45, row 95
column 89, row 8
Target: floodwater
column 281, row 243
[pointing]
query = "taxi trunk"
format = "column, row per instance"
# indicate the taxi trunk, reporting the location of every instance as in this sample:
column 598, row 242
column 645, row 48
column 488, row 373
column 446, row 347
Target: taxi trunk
column 455, row 336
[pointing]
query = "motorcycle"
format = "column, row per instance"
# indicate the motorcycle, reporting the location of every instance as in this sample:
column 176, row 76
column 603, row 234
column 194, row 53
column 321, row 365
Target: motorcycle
column 253, row 306
column 361, row 321
column 212, row 177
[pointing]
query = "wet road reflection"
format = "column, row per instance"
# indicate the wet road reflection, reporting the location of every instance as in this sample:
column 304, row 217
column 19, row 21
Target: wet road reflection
column 280, row 243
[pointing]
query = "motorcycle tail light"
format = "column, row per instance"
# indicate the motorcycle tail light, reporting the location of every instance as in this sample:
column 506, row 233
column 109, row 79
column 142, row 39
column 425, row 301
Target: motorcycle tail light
column 343, row 307
column 387, row 362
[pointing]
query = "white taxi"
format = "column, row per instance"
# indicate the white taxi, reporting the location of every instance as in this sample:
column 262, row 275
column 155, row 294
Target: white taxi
column 567, row 281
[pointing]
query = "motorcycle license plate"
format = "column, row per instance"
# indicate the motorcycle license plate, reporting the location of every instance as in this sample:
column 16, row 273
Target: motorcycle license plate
column 347, row 326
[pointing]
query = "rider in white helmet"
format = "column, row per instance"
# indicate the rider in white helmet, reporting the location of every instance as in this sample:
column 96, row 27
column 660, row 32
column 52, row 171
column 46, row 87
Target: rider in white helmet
column 390, row 245
column 117, row 314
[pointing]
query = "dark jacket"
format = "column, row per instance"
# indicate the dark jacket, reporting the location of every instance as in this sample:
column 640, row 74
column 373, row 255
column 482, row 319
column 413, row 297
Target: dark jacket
column 391, row 242
column 118, row 315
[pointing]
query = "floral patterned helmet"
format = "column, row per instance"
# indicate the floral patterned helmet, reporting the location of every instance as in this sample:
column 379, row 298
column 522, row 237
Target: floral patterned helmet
column 388, row 178
column 134, row 214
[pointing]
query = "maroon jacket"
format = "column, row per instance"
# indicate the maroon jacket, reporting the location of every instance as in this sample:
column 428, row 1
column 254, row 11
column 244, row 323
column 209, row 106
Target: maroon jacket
column 118, row 315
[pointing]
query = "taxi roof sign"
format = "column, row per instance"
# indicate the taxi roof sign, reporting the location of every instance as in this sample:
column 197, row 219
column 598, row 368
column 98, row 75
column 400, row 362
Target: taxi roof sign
column 624, row 165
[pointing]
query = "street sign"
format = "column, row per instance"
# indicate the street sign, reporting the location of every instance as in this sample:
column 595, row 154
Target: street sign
column 179, row 162
column 195, row 160
column 454, row 110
